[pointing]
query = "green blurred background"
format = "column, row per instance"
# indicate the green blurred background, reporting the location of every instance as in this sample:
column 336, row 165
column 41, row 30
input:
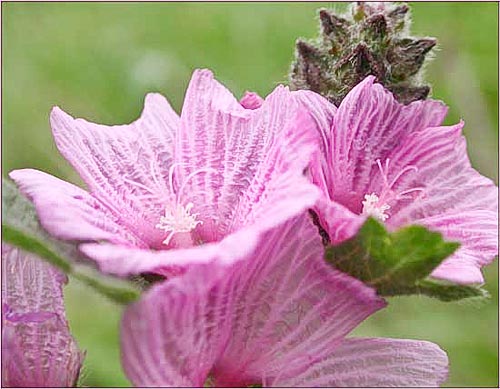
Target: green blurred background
column 97, row 60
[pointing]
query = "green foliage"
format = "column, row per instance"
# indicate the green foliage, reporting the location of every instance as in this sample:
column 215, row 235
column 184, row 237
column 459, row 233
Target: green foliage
column 399, row 263
column 20, row 228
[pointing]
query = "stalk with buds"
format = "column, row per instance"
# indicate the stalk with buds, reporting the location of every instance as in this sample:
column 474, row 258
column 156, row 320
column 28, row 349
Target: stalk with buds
column 369, row 39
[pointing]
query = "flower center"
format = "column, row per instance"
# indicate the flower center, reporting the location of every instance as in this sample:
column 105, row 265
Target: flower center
column 375, row 205
column 178, row 219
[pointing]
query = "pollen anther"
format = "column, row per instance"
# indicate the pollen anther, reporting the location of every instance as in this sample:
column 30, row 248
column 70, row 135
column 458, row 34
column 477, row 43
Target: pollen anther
column 372, row 207
column 178, row 219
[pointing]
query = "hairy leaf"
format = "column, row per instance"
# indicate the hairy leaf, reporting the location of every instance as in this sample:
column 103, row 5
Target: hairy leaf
column 399, row 263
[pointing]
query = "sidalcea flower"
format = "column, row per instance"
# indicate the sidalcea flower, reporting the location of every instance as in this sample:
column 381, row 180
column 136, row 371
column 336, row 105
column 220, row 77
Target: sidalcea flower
column 166, row 192
column 279, row 319
column 37, row 347
column 398, row 164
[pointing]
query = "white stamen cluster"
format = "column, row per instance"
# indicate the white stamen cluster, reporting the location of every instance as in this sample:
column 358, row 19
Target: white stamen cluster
column 178, row 219
column 372, row 207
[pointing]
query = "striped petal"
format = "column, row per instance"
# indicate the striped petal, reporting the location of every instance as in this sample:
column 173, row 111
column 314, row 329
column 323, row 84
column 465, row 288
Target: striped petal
column 256, row 219
column 237, row 168
column 456, row 200
column 126, row 167
column 376, row 363
column 37, row 348
column 422, row 172
column 229, row 157
column 124, row 261
column 173, row 337
column 369, row 123
column 69, row 212
column 273, row 313
column 322, row 112
column 290, row 308
column 478, row 233
column 339, row 222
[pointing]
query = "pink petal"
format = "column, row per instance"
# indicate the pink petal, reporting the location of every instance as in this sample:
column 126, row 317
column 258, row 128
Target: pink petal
column 230, row 157
column 376, row 362
column 450, row 183
column 230, row 165
column 69, row 212
column 124, row 261
column 126, row 167
column 276, row 311
column 279, row 190
column 175, row 333
column 478, row 232
column 249, row 232
column 338, row 221
column 322, row 111
column 290, row 308
column 251, row 100
column 29, row 285
column 37, row 348
column 461, row 268
column 367, row 126
column 457, row 200
column 172, row 338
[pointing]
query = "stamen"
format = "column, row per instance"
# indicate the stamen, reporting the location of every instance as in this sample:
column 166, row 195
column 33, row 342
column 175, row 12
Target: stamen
column 403, row 195
column 139, row 185
column 171, row 175
column 372, row 207
column 193, row 174
column 400, row 174
column 384, row 172
column 178, row 220
column 377, row 206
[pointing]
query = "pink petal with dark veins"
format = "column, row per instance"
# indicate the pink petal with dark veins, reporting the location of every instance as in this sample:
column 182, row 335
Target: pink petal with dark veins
column 37, row 347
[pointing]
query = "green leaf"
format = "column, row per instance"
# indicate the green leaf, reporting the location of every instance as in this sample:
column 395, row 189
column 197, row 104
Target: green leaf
column 450, row 292
column 399, row 263
column 20, row 228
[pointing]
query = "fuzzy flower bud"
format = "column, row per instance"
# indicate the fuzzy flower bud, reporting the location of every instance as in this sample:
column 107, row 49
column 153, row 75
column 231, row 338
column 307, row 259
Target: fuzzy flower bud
column 369, row 39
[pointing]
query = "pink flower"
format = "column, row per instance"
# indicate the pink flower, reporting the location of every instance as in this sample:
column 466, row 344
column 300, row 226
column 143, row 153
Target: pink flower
column 166, row 191
column 398, row 164
column 280, row 319
column 37, row 347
